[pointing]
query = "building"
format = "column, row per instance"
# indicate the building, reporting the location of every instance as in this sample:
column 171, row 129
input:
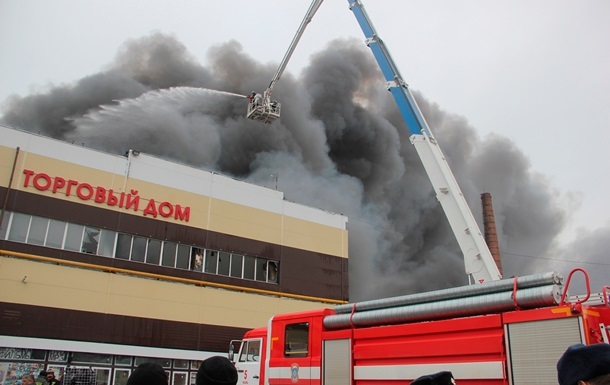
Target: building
column 107, row 261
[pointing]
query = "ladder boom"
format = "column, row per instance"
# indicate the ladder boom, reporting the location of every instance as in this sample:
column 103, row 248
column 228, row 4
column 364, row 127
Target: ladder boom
column 478, row 261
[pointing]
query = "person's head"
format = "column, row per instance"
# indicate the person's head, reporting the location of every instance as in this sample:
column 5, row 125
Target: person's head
column 28, row 379
column 440, row 378
column 584, row 365
column 148, row 373
column 42, row 373
column 50, row 374
column 216, row 370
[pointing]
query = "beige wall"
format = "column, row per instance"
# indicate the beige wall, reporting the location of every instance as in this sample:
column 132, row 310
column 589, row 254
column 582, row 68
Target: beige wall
column 44, row 284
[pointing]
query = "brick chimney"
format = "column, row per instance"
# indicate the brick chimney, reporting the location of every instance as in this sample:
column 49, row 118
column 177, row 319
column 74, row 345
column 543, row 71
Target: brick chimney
column 489, row 228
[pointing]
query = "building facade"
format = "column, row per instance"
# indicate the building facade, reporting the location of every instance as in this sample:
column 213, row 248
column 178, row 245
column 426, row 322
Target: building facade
column 107, row 261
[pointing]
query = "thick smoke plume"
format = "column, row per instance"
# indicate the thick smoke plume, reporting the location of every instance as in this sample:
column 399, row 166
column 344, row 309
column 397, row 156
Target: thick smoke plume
column 340, row 145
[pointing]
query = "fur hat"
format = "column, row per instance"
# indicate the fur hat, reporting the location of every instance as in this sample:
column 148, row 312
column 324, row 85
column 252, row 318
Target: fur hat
column 583, row 362
column 148, row 373
column 216, row 370
column 440, row 378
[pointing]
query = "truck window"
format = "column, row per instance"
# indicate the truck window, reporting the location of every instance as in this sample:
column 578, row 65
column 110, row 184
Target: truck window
column 296, row 340
column 250, row 351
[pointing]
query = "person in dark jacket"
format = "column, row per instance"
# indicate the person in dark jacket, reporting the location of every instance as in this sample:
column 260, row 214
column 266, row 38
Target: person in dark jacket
column 42, row 378
column 585, row 365
column 148, row 373
column 440, row 378
column 216, row 370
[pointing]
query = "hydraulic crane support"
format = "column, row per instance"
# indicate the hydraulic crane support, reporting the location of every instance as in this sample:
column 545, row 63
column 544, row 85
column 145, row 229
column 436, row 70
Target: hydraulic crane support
column 478, row 261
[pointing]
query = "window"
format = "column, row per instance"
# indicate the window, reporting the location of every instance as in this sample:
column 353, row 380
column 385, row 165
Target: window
column 92, row 358
column 250, row 351
column 19, row 227
column 180, row 378
column 121, row 376
column 74, row 236
column 4, row 224
column 237, row 262
column 249, row 264
column 182, row 259
column 123, row 246
column 261, row 269
column 164, row 362
column 197, row 259
column 55, row 235
column 169, row 254
column 181, row 364
column 272, row 269
column 296, row 341
column 91, row 240
column 122, row 360
column 106, row 246
column 210, row 261
column 138, row 250
column 38, row 230
column 153, row 253
column 224, row 262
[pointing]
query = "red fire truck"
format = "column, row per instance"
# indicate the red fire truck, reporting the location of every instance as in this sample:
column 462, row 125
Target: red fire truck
column 510, row 331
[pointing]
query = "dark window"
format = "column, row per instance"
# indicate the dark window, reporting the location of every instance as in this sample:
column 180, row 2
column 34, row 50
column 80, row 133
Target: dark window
column 4, row 224
column 90, row 240
column 296, row 343
column 123, row 246
column 236, row 265
column 261, row 269
column 182, row 261
column 211, row 261
column 138, row 250
column 224, row 261
column 153, row 253
column 169, row 254
column 249, row 264
column 272, row 269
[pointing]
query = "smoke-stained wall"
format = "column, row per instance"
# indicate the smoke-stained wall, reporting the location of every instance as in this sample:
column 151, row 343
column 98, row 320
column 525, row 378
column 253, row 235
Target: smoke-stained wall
column 340, row 145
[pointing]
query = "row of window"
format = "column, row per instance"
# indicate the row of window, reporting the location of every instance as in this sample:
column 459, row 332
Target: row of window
column 87, row 368
column 58, row 234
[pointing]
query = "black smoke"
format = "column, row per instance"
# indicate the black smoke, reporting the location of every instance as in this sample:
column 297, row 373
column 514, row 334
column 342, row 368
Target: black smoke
column 340, row 145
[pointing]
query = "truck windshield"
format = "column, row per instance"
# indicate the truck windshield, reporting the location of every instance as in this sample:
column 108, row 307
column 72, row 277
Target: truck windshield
column 250, row 351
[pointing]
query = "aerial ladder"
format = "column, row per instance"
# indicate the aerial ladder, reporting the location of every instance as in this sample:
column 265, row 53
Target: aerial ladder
column 261, row 108
column 478, row 261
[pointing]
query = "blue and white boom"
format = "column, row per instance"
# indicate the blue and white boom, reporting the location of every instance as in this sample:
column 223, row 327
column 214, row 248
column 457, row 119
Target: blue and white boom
column 479, row 263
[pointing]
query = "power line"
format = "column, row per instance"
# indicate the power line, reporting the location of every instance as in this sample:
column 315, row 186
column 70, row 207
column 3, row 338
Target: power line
column 558, row 260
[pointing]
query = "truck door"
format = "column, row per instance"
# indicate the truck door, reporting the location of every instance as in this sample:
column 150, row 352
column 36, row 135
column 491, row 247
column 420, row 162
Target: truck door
column 297, row 352
column 291, row 360
column 248, row 362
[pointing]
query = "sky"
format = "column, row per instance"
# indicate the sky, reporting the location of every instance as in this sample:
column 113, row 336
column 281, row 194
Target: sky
column 532, row 72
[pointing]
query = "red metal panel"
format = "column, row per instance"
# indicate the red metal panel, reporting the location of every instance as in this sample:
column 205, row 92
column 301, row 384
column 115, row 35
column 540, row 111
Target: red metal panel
column 460, row 340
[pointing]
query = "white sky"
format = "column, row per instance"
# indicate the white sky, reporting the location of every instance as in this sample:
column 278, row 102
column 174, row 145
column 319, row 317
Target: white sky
column 535, row 71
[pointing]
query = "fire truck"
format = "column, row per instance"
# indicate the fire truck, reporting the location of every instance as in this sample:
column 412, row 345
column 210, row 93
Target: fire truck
column 509, row 331
column 494, row 331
